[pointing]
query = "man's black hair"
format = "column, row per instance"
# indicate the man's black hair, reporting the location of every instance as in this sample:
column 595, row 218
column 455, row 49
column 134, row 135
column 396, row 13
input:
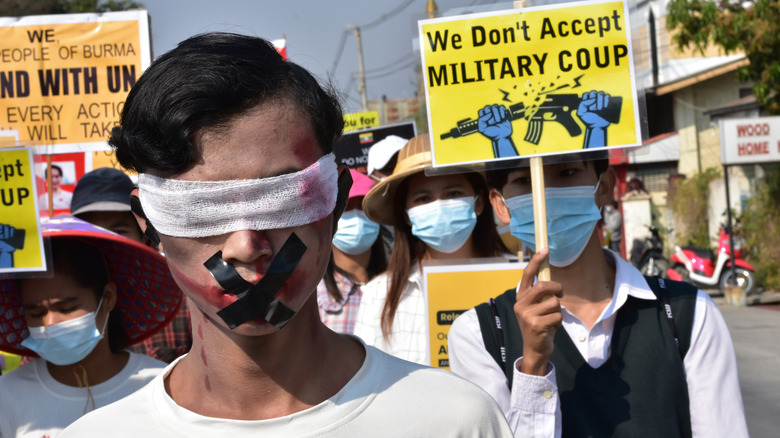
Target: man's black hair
column 498, row 177
column 205, row 83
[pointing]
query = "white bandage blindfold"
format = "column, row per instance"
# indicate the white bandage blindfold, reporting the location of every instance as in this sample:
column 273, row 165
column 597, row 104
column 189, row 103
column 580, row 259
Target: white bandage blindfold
column 210, row 208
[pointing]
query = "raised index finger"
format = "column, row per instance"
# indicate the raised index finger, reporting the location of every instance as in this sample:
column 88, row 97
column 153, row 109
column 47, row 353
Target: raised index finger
column 533, row 268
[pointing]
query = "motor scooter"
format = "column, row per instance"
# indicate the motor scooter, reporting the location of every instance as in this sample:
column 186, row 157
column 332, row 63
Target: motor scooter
column 648, row 254
column 702, row 268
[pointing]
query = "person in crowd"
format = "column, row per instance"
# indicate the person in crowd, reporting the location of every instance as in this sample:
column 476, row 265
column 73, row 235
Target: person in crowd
column 102, row 197
column 613, row 225
column 637, row 356
column 61, row 198
column 233, row 145
column 358, row 256
column 435, row 218
column 383, row 156
column 106, row 293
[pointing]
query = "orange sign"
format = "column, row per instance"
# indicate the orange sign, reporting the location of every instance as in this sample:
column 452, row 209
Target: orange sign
column 64, row 78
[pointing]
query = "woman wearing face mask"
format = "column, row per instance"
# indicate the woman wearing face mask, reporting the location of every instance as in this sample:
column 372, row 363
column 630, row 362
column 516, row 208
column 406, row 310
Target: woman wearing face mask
column 435, row 218
column 358, row 256
column 107, row 292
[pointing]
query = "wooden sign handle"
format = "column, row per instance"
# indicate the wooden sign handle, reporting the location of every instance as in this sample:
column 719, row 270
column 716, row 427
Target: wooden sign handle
column 540, row 203
column 540, row 212
column 49, row 193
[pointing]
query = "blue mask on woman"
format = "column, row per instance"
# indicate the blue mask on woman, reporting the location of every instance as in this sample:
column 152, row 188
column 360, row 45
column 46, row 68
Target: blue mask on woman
column 571, row 216
column 444, row 225
column 67, row 342
column 356, row 232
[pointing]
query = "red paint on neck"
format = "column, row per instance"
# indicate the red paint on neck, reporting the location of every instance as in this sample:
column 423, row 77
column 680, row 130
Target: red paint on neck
column 203, row 357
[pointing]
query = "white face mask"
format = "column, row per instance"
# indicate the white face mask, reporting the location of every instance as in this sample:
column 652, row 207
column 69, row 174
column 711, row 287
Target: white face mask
column 210, row 208
column 444, row 225
column 67, row 342
column 356, row 232
column 571, row 216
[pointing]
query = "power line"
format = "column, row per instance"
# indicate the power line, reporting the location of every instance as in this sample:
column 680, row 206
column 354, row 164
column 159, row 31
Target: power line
column 388, row 73
column 342, row 42
column 382, row 18
column 391, row 64
column 385, row 17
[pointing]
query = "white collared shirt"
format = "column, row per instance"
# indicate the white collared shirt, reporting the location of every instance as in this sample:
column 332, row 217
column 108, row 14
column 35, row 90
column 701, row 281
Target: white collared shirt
column 533, row 409
column 409, row 337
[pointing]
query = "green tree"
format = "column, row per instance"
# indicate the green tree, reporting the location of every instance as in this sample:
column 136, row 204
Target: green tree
column 751, row 27
column 761, row 229
column 688, row 202
column 18, row 8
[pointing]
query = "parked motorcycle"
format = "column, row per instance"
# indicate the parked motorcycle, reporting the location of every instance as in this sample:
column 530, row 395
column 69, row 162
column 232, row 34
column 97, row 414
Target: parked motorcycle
column 703, row 268
column 648, row 254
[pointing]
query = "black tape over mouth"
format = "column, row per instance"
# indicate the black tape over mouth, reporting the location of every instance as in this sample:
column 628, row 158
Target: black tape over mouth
column 257, row 300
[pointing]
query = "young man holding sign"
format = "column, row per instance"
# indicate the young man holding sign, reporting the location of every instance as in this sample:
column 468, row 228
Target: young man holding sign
column 635, row 356
column 237, row 180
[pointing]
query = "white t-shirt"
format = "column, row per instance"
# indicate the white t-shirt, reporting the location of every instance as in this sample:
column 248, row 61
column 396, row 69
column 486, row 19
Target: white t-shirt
column 34, row 405
column 386, row 397
column 61, row 200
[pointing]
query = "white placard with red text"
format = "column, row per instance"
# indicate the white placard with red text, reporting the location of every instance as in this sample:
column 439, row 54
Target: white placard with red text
column 747, row 141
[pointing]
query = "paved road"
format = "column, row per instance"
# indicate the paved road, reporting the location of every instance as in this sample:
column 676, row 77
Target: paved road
column 756, row 334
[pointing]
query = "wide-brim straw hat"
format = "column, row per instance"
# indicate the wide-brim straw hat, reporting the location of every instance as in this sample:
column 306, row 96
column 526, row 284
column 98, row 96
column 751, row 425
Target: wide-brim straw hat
column 413, row 158
column 147, row 296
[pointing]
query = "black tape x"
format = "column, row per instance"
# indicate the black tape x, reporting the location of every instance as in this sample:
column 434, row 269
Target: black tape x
column 258, row 299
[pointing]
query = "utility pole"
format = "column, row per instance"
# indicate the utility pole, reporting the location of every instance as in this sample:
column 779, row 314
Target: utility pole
column 431, row 9
column 362, row 86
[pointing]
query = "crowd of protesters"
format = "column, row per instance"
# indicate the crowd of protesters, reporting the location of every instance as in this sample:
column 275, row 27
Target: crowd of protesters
column 247, row 285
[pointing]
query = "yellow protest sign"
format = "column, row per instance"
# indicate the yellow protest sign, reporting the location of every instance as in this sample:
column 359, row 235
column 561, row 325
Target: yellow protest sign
column 21, row 245
column 9, row 362
column 535, row 81
column 64, row 78
column 454, row 289
column 355, row 121
column 9, row 138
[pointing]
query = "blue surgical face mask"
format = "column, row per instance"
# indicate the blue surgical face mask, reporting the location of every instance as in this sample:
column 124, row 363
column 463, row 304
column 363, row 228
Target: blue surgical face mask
column 444, row 225
column 67, row 342
column 571, row 216
column 356, row 232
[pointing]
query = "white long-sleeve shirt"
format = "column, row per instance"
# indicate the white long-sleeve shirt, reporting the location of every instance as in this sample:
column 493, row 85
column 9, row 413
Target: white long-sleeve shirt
column 409, row 338
column 533, row 409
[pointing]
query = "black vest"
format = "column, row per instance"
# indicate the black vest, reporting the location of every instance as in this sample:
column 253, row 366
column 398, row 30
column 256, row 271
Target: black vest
column 640, row 391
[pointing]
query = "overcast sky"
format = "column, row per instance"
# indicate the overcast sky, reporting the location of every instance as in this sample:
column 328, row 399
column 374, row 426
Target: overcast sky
column 314, row 31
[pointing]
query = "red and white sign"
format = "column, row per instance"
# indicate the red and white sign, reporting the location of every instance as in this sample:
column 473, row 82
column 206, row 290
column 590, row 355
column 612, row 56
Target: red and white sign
column 746, row 141
column 281, row 47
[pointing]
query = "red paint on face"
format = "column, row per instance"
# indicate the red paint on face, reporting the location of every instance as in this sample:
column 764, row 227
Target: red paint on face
column 207, row 384
column 211, row 293
column 203, row 356
column 292, row 286
column 205, row 290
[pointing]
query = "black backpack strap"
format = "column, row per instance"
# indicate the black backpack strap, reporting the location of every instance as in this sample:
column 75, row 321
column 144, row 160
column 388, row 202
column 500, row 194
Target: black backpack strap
column 489, row 321
column 500, row 331
column 678, row 303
